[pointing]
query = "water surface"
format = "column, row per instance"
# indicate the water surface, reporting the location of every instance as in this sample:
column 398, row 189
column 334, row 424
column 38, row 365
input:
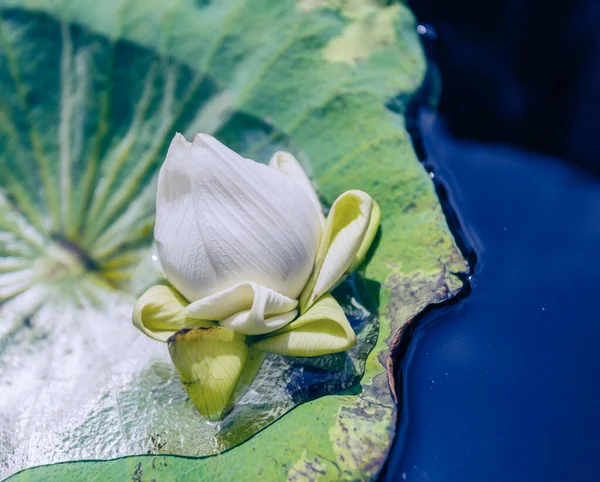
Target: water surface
column 503, row 386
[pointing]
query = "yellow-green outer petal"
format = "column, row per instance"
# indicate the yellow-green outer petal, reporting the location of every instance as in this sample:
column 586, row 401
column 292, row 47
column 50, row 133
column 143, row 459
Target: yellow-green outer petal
column 374, row 223
column 159, row 314
column 345, row 229
column 322, row 330
column 209, row 362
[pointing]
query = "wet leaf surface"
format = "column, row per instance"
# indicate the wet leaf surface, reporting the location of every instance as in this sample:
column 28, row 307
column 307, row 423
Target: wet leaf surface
column 91, row 94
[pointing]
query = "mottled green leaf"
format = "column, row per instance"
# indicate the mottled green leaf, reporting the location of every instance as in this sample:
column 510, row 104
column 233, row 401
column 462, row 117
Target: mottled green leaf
column 90, row 95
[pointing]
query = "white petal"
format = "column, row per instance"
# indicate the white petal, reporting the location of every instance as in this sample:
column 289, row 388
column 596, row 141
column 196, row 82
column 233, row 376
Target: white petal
column 289, row 165
column 322, row 330
column 345, row 229
column 253, row 323
column 222, row 220
column 246, row 308
column 176, row 231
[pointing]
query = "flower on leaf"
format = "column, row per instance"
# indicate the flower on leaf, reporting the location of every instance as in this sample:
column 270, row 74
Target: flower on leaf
column 250, row 260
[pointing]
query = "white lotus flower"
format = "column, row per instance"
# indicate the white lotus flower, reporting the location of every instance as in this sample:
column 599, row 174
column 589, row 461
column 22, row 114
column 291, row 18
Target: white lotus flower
column 246, row 248
column 238, row 239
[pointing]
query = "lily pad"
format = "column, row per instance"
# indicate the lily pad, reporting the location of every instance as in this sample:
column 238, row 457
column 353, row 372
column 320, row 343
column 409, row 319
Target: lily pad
column 90, row 95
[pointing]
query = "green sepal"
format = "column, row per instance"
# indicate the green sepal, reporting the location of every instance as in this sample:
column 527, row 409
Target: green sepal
column 209, row 361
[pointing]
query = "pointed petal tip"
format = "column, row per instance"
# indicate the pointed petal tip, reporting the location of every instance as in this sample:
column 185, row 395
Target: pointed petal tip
column 201, row 138
column 361, row 194
column 279, row 157
column 211, row 148
column 178, row 147
column 179, row 139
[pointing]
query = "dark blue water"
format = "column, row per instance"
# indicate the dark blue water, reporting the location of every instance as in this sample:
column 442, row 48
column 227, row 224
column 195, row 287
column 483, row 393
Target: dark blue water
column 504, row 385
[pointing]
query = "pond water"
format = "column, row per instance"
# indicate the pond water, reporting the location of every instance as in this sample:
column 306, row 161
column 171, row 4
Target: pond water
column 502, row 385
